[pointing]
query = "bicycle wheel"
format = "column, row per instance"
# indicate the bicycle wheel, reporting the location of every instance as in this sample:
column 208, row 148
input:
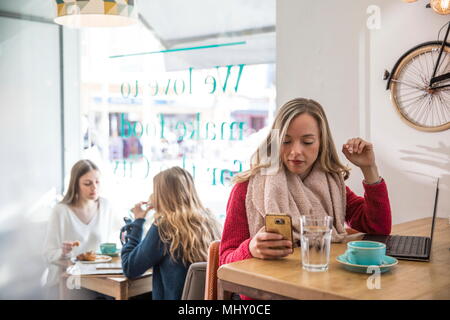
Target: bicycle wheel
column 420, row 106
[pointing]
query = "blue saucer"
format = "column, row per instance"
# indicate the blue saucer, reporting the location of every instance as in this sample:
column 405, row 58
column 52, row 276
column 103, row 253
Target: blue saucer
column 388, row 263
column 115, row 254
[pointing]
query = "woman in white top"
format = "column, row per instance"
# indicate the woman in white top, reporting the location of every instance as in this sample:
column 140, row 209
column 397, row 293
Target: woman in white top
column 81, row 221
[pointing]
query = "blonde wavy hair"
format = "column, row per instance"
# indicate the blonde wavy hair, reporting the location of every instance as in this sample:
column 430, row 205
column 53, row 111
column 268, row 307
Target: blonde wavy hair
column 79, row 169
column 183, row 223
column 328, row 156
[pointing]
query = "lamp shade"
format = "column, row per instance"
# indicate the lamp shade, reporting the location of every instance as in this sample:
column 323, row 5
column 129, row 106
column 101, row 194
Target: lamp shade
column 96, row 13
column 441, row 6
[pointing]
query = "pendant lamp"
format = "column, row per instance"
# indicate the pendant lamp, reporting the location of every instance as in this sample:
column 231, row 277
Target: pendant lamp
column 441, row 6
column 96, row 13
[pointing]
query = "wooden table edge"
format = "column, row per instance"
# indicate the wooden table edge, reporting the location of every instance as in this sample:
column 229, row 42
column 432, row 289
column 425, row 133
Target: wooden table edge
column 117, row 285
column 305, row 293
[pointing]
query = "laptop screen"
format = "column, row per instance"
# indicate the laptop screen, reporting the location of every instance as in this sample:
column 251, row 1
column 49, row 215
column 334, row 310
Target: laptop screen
column 434, row 210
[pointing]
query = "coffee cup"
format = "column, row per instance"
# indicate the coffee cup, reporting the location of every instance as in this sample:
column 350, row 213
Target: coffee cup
column 365, row 252
column 108, row 248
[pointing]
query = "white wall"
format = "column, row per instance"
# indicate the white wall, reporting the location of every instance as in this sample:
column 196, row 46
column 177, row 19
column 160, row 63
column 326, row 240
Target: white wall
column 326, row 52
column 30, row 138
column 72, row 121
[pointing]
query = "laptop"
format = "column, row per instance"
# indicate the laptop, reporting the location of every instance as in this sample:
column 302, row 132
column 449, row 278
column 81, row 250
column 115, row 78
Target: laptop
column 409, row 247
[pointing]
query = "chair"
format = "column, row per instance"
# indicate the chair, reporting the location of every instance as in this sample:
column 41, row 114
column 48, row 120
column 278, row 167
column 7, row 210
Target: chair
column 194, row 285
column 211, row 271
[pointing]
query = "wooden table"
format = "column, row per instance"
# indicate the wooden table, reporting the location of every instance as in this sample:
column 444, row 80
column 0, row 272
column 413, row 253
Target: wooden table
column 117, row 286
column 285, row 278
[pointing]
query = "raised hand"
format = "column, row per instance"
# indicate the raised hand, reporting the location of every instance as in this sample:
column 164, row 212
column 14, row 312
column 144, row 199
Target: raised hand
column 361, row 154
column 67, row 246
column 138, row 212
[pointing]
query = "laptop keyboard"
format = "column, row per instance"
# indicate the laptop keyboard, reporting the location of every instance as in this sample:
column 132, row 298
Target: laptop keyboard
column 406, row 245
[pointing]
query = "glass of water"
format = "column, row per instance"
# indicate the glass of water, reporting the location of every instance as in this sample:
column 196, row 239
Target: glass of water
column 315, row 237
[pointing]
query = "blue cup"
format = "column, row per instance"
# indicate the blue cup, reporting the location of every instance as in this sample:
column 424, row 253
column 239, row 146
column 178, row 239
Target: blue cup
column 368, row 253
column 108, row 248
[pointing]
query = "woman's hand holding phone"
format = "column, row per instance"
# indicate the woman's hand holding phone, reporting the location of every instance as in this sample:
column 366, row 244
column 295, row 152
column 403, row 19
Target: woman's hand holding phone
column 269, row 245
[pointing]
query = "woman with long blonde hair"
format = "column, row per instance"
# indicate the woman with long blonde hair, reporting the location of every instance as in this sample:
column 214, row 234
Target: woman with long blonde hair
column 180, row 235
column 297, row 171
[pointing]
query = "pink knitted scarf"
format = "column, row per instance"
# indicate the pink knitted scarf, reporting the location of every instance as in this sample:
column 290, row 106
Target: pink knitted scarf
column 319, row 194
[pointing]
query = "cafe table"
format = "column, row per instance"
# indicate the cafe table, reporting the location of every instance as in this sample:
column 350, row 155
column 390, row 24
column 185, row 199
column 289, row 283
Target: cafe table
column 285, row 278
column 115, row 285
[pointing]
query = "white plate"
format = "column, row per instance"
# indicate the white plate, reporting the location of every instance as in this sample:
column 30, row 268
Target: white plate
column 98, row 259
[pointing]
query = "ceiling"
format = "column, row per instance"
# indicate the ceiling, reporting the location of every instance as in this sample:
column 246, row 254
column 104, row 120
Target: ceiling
column 180, row 19
column 201, row 33
column 246, row 29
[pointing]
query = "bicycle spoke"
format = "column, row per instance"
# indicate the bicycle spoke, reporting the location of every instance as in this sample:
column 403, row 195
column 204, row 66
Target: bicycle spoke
column 420, row 96
column 415, row 69
column 447, row 112
column 417, row 75
column 445, row 107
column 442, row 110
column 440, row 71
column 407, row 84
column 420, row 71
column 408, row 90
column 433, row 111
column 439, row 113
column 414, row 102
column 424, row 56
column 429, row 112
column 413, row 98
column 424, row 111
column 411, row 79
column 418, row 108
column 405, row 89
column 408, row 74
column 432, row 63
column 411, row 85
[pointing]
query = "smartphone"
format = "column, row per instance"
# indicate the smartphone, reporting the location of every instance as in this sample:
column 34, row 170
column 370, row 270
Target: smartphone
column 281, row 224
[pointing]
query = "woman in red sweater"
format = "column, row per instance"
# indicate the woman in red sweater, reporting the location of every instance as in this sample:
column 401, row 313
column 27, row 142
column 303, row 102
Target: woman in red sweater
column 301, row 175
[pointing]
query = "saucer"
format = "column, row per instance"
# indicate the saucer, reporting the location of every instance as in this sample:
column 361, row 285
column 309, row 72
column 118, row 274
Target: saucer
column 115, row 254
column 388, row 262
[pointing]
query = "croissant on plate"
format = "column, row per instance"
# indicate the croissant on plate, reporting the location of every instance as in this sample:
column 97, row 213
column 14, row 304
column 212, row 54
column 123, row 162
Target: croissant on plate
column 87, row 256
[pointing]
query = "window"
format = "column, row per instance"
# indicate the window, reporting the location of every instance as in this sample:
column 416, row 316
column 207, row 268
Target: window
column 201, row 101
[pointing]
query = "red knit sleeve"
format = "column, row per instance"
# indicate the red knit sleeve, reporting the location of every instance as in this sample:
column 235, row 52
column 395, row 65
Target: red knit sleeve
column 235, row 235
column 371, row 213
